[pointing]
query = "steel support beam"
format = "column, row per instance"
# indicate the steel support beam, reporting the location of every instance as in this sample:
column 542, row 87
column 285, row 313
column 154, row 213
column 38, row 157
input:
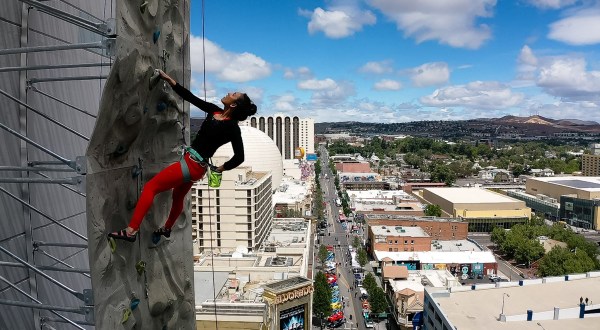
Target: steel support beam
column 36, row 49
column 65, row 161
column 74, row 245
column 39, row 302
column 63, row 185
column 51, row 67
column 48, row 268
column 78, row 295
column 76, row 78
column 54, row 320
column 33, row 88
column 99, row 28
column 31, row 207
column 35, row 169
column 14, row 99
column 72, row 181
column 78, row 310
column 71, row 269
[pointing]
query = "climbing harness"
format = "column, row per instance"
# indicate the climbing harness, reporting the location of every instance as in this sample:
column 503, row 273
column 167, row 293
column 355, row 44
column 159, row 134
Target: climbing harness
column 214, row 176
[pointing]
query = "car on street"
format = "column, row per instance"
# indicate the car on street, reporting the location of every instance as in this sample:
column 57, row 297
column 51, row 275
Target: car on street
column 369, row 323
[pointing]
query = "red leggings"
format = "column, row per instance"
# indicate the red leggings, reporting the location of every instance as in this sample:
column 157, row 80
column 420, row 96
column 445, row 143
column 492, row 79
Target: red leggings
column 169, row 178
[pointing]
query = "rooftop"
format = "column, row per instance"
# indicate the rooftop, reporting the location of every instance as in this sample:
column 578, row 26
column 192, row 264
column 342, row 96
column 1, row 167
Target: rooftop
column 435, row 257
column 586, row 183
column 470, row 195
column 291, row 191
column 398, row 231
column 463, row 308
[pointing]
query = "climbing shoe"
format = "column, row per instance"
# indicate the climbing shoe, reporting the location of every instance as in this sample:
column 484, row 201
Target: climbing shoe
column 163, row 231
column 122, row 234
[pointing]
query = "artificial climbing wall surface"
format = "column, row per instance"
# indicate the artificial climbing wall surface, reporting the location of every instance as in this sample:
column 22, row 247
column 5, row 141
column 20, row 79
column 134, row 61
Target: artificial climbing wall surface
column 138, row 133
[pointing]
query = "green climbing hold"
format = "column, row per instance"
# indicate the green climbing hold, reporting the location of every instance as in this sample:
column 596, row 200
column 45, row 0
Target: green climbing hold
column 126, row 315
column 140, row 267
column 112, row 244
column 143, row 6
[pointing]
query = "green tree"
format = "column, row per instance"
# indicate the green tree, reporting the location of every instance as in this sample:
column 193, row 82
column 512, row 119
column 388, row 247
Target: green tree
column 369, row 283
column 442, row 173
column 362, row 257
column 322, row 254
column 433, row 210
column 356, row 243
column 321, row 297
column 377, row 301
column 561, row 261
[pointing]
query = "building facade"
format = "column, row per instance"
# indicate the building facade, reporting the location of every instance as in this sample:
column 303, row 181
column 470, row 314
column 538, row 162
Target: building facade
column 398, row 238
column 590, row 165
column 444, row 229
column 289, row 133
column 239, row 213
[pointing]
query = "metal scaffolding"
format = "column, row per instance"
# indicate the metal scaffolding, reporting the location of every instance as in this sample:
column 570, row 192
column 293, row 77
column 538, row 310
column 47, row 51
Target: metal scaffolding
column 47, row 260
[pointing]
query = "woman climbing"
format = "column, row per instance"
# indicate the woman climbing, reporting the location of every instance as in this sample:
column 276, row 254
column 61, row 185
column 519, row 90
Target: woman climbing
column 219, row 128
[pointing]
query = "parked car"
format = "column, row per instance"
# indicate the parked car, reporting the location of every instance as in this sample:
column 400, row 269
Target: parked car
column 369, row 323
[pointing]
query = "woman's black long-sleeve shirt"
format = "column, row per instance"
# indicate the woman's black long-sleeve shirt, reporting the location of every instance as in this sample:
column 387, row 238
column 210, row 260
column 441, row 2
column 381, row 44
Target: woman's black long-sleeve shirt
column 214, row 133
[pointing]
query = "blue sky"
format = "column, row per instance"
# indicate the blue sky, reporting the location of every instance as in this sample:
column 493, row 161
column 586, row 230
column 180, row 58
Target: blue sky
column 401, row 60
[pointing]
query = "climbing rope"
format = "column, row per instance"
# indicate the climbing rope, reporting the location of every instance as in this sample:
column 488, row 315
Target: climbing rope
column 210, row 216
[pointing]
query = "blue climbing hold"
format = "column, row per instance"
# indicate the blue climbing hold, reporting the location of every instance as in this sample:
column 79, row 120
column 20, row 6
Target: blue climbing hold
column 134, row 303
column 155, row 35
column 161, row 106
column 145, row 109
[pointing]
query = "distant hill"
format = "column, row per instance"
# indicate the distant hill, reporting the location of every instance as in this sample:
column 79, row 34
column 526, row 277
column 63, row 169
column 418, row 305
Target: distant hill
column 483, row 127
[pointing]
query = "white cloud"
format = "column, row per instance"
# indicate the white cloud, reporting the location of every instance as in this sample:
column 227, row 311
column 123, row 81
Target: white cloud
column 315, row 84
column 380, row 67
column 430, row 74
column 568, row 77
column 580, row 28
column 339, row 23
column 225, row 65
column 284, row 103
column 333, row 94
column 552, row 4
column 527, row 64
column 477, row 95
column 387, row 85
column 298, row 73
column 452, row 23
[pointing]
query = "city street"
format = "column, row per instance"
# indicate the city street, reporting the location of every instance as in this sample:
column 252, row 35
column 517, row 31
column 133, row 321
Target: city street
column 339, row 238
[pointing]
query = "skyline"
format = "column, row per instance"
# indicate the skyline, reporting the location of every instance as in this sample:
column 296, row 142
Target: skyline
column 398, row 61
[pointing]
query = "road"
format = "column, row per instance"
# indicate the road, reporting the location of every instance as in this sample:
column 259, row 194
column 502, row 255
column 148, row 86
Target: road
column 340, row 238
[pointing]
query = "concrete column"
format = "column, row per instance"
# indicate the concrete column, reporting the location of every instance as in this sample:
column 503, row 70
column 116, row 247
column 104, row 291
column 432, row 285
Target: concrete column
column 556, row 311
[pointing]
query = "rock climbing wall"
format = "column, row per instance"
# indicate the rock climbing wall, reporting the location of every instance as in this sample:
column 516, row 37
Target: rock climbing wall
column 138, row 132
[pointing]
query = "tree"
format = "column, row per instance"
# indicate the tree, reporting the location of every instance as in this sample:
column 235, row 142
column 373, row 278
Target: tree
column 356, row 243
column 561, row 261
column 442, row 173
column 362, row 257
column 322, row 253
column 369, row 283
column 322, row 297
column 377, row 301
column 433, row 210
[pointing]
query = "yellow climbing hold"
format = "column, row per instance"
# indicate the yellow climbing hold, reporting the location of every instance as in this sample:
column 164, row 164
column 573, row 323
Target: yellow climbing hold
column 140, row 267
column 112, row 244
column 126, row 315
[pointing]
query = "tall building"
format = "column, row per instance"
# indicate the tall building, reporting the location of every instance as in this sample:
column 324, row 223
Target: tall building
column 240, row 212
column 289, row 133
column 237, row 214
column 590, row 163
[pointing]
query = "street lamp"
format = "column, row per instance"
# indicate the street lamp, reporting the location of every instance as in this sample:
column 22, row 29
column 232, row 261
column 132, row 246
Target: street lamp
column 504, row 294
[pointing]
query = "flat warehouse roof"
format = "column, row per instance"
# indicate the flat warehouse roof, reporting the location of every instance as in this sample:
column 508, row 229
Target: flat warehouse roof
column 470, row 195
column 587, row 183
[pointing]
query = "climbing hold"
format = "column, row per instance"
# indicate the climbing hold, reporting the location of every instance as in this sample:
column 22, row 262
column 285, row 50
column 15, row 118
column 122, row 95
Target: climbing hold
column 135, row 171
column 154, row 79
column 134, row 303
column 155, row 239
column 145, row 109
column 143, row 6
column 155, row 36
column 140, row 267
column 161, row 106
column 126, row 315
column 112, row 244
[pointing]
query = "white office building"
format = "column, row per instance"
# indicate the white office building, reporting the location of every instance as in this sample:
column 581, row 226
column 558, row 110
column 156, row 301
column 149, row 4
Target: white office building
column 289, row 133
